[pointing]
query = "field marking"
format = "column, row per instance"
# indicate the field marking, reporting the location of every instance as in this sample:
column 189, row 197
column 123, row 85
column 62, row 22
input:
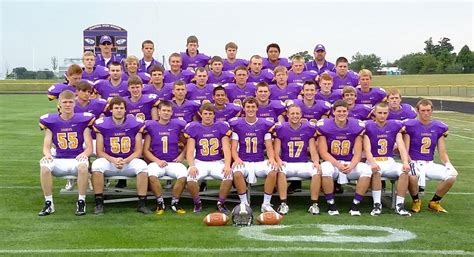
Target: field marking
column 470, row 138
column 239, row 249
column 466, row 121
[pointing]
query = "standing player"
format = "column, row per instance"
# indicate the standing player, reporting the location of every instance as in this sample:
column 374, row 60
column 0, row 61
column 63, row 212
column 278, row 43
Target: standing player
column 397, row 110
column 114, row 86
column 379, row 140
column 201, row 91
column 192, row 58
column 92, row 72
column 156, row 86
column 73, row 77
column 68, row 131
column 144, row 65
column 367, row 94
column 183, row 109
column 343, row 76
column 241, row 89
column 249, row 137
column 224, row 111
column 256, row 73
column 140, row 105
column 210, row 142
column 216, row 74
column 326, row 92
column 272, row 110
column 319, row 64
column 161, row 148
column 293, row 140
column 297, row 74
column 423, row 135
column 358, row 111
column 175, row 72
column 131, row 68
column 273, row 58
column 105, row 57
column 232, row 62
column 282, row 90
column 340, row 146
column 312, row 109
column 119, row 147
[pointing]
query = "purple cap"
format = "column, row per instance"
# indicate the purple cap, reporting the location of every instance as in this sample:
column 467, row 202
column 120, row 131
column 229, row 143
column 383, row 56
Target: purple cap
column 104, row 39
column 319, row 47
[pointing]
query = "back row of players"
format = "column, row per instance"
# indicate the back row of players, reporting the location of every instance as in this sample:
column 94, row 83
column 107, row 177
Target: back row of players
column 341, row 151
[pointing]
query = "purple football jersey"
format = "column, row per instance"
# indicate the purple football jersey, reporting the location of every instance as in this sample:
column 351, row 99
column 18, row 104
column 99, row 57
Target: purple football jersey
column 231, row 66
column 360, row 112
column 165, row 93
column 201, row 94
column 208, row 139
column 165, row 138
column 374, row 96
column 382, row 139
column 331, row 98
column 265, row 75
column 145, row 77
column 200, row 60
column 406, row 112
column 294, row 143
column 251, row 138
column 340, row 141
column 223, row 78
column 184, row 75
column 351, row 79
column 106, row 90
column 68, row 135
column 100, row 60
column 142, row 108
column 119, row 140
column 95, row 106
column 281, row 62
column 327, row 66
column 143, row 67
column 314, row 112
column 236, row 94
column 301, row 77
column 424, row 138
column 230, row 111
column 99, row 72
column 186, row 111
column 271, row 111
column 290, row 92
column 56, row 89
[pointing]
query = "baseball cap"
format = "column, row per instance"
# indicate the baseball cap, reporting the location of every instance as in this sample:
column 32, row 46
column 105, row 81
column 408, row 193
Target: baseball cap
column 104, row 39
column 319, row 47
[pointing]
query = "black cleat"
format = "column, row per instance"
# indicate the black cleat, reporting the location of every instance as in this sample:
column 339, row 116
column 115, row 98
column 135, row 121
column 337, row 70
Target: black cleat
column 99, row 206
column 47, row 209
column 81, row 208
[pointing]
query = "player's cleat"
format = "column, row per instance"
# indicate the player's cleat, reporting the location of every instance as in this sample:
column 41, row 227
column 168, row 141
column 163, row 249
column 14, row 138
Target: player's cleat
column 80, row 208
column 160, row 208
column 222, row 208
column 177, row 209
column 69, row 185
column 143, row 209
column 377, row 210
column 332, row 209
column 203, row 186
column 314, row 209
column 266, row 208
column 122, row 183
column 99, row 206
column 355, row 211
column 436, row 206
column 400, row 210
column 197, row 207
column 283, row 209
column 47, row 209
column 416, row 206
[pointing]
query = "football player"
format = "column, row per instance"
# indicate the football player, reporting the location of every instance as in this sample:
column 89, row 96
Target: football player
column 232, row 62
column 282, row 90
column 358, row 111
column 272, row 110
column 156, row 86
column 90, row 71
column 182, row 108
column 131, row 68
column 224, row 111
column 140, row 105
column 145, row 63
column 326, row 92
column 343, row 76
column 176, row 73
column 241, row 89
column 200, row 91
column 256, row 71
column 114, row 85
column 398, row 110
column 192, row 58
column 297, row 74
column 312, row 109
column 73, row 77
column 273, row 58
column 366, row 94
column 216, row 75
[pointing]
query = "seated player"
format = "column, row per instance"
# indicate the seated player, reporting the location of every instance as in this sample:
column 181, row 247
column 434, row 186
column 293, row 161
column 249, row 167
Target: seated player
column 293, row 140
column 366, row 94
column 140, row 105
column 145, row 63
column 92, row 72
column 297, row 74
column 210, row 142
column 398, row 110
column 312, row 109
column 272, row 110
column 256, row 71
column 357, row 111
column 232, row 62
column 192, row 59
column 114, row 85
column 200, row 91
column 105, row 57
column 241, row 89
column 119, row 147
column 423, row 135
column 326, row 92
column 379, row 139
column 283, row 90
column 162, row 149
column 343, row 76
column 157, row 86
column 249, row 137
column 224, row 111
column 216, row 75
column 183, row 109
column 68, row 131
column 273, row 58
column 176, row 73
column 131, row 68
column 320, row 64
column 340, row 146
column 73, row 77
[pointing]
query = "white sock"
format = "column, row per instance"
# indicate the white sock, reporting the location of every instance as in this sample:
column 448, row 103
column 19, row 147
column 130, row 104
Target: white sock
column 82, row 197
column 377, row 195
column 48, row 198
column 267, row 198
column 400, row 199
column 159, row 199
column 243, row 198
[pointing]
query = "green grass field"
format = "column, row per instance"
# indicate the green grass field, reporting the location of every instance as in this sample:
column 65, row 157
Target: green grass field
column 124, row 232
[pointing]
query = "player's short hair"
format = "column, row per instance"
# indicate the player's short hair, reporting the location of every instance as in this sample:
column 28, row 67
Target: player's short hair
column 87, row 53
column 293, row 106
column 148, row 41
column 273, row 45
column 326, row 76
column 179, row 83
column 255, row 56
column 424, row 102
column 155, row 68
column 339, row 103
column 297, row 58
column 217, row 89
column 348, row 90
column 365, row 72
column 216, row 59
column 381, row 105
column 174, row 55
column 279, row 69
column 241, row 67
column 131, row 58
column 310, row 83
column 117, row 100
column 134, row 80
column 231, row 45
column 115, row 63
column 341, row 59
column 250, row 100
column 207, row 107
column 393, row 91
column 192, row 39
column 84, row 86
column 74, row 69
column 165, row 103
column 200, row 69
column 66, row 94
column 262, row 84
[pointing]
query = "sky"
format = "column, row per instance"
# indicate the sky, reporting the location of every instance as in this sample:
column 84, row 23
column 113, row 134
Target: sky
column 31, row 32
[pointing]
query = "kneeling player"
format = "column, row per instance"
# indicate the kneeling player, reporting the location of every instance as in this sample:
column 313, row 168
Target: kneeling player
column 293, row 139
column 68, row 131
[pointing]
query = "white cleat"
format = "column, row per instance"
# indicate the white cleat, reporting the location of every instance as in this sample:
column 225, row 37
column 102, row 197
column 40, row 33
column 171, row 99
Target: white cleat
column 267, row 208
column 314, row 209
column 283, row 209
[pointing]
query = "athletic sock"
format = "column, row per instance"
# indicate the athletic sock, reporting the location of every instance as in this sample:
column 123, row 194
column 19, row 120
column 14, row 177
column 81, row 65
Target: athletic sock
column 436, row 198
column 400, row 200
column 243, row 198
column 377, row 195
column 267, row 198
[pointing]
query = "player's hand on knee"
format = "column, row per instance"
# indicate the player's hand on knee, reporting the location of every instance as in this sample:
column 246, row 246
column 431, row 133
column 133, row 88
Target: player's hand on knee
column 82, row 158
column 227, row 172
column 162, row 163
column 193, row 172
column 47, row 159
column 238, row 164
column 317, row 166
column 406, row 167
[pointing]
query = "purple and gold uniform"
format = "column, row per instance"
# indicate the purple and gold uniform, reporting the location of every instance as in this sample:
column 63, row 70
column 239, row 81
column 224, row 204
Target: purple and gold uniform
column 406, row 112
column 374, row 96
column 98, row 72
column 251, row 138
column 290, row 92
column 186, row 111
column 327, row 66
column 200, row 60
column 340, row 141
column 360, row 112
column 100, row 60
column 106, row 90
column 231, row 66
column 184, row 75
column 271, row 111
column 331, row 98
column 223, row 78
column 424, row 138
column 165, row 138
column 236, row 94
column 351, row 79
column 145, row 77
column 208, row 139
column 294, row 143
column 56, row 89
column 301, row 77
column 119, row 140
column 95, row 106
column 68, row 135
column 230, row 111
column 165, row 93
column 201, row 94
column 143, row 67
column 314, row 112
column 382, row 139
column 142, row 108
column 281, row 62
column 266, row 75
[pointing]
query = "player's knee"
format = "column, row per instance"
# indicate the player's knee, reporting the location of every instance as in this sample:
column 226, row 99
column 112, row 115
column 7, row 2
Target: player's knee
column 327, row 169
column 99, row 165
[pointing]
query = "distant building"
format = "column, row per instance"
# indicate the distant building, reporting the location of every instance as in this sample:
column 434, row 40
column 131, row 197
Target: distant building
column 67, row 62
column 390, row 71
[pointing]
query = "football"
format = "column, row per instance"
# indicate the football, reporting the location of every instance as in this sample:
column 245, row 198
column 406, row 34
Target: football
column 215, row 219
column 269, row 218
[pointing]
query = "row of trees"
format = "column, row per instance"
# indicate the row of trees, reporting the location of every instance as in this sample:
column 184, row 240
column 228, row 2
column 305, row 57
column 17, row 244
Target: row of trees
column 23, row 73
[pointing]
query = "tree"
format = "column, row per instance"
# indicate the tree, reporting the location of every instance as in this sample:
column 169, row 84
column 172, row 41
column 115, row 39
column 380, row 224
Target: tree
column 54, row 63
column 430, row 48
column 19, row 71
column 465, row 59
column 361, row 61
column 307, row 57
column 411, row 63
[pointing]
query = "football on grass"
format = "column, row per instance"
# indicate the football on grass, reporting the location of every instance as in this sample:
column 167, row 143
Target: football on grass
column 269, row 218
column 215, row 219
